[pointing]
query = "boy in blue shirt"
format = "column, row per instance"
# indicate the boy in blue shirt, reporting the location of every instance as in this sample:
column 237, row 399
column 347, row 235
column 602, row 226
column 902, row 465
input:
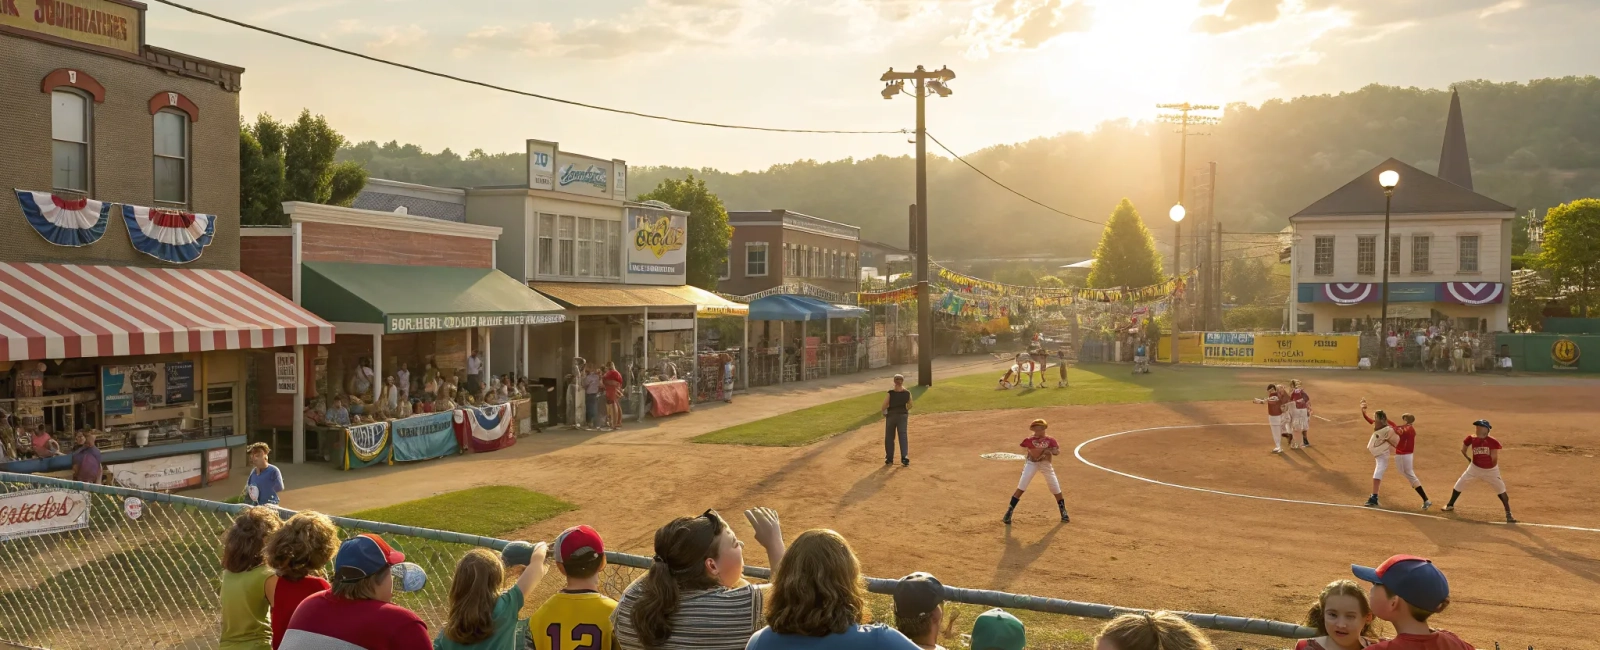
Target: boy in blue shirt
column 261, row 488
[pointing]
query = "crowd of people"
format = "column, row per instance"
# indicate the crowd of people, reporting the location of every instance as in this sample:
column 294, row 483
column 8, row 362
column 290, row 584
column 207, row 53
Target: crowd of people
column 694, row 597
column 404, row 394
column 1440, row 348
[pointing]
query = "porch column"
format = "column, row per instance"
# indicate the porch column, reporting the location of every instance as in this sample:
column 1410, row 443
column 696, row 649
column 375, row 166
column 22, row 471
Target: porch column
column 299, row 411
column 694, row 352
column 522, row 347
column 744, row 354
column 377, row 365
column 781, row 353
column 645, row 361
column 486, row 373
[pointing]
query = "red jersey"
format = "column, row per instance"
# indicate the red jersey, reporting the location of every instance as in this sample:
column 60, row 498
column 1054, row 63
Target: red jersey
column 1480, row 450
column 327, row 622
column 1435, row 640
column 1408, row 438
column 1274, row 403
column 286, row 598
column 1302, row 401
column 1043, row 442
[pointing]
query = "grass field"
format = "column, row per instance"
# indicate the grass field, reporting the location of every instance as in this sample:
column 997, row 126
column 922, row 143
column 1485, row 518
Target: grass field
column 490, row 511
column 1090, row 384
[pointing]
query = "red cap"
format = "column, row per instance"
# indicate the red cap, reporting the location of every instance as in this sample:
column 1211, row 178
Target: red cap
column 578, row 540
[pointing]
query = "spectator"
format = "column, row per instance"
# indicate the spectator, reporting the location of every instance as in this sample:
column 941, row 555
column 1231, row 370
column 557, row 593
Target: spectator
column 896, row 412
column 338, row 415
column 817, row 601
column 403, row 379
column 262, row 486
column 44, row 446
column 591, row 396
column 1343, row 618
column 611, row 381
column 919, row 609
column 694, row 596
column 297, row 553
column 1406, row 591
column 579, row 612
column 998, row 630
column 480, row 615
column 86, row 459
column 1158, row 631
column 355, row 612
column 244, row 578
column 474, row 382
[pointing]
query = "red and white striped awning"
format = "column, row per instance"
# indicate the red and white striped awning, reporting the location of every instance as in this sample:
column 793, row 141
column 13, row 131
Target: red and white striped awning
column 64, row 311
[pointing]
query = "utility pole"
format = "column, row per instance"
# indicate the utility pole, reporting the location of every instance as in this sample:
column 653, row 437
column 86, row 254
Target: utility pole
column 1183, row 119
column 924, row 82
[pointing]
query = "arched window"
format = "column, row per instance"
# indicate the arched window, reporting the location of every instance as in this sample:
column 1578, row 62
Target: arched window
column 171, row 157
column 69, row 140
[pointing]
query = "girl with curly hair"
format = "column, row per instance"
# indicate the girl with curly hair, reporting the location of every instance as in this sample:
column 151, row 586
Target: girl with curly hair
column 297, row 554
column 244, row 577
column 1343, row 616
column 818, row 600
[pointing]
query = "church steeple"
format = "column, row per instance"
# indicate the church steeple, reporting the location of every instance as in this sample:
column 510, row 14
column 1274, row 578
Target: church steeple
column 1454, row 164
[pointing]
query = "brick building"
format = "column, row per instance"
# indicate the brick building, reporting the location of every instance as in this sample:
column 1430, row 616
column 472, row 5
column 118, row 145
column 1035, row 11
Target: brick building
column 770, row 248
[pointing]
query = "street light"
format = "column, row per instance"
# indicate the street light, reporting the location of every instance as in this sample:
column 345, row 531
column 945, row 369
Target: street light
column 1176, row 213
column 1388, row 180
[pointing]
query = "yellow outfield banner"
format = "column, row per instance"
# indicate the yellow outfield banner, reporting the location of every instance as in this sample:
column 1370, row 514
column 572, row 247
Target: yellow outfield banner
column 1281, row 350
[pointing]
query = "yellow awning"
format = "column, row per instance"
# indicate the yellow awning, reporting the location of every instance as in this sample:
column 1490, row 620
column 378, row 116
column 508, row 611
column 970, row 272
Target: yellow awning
column 707, row 304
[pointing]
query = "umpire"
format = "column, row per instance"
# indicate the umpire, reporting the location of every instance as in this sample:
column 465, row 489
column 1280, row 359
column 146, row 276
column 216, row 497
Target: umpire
column 896, row 409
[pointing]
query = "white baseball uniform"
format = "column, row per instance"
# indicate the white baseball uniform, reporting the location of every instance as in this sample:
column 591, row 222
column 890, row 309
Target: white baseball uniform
column 1484, row 467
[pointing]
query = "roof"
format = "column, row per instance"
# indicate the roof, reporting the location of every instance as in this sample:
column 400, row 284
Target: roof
column 381, row 195
column 69, row 311
column 707, row 303
column 421, row 298
column 600, row 294
column 1454, row 163
column 799, row 308
column 1418, row 193
column 885, row 247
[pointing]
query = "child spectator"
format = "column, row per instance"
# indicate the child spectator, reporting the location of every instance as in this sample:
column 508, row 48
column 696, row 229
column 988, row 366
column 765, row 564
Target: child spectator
column 1158, row 631
column 579, row 613
column 86, row 459
column 244, row 577
column 297, row 553
column 1406, row 591
column 997, row 630
column 919, row 609
column 355, row 612
column 1343, row 618
column 818, row 601
column 261, row 488
column 481, row 616
column 44, row 446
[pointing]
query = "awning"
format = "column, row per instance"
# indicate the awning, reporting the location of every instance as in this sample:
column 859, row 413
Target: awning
column 66, row 311
column 846, row 311
column 580, row 295
column 787, row 307
column 707, row 304
column 421, row 298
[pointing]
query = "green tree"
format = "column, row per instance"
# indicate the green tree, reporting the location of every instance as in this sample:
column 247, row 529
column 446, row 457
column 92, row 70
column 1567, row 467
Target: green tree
column 280, row 163
column 1126, row 255
column 1246, row 281
column 709, row 231
column 1571, row 251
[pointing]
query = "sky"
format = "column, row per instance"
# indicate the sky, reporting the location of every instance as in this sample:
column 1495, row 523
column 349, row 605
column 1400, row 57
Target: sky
column 1025, row 68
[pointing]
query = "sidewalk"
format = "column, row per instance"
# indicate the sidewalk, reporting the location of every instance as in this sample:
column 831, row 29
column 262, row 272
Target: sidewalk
column 321, row 486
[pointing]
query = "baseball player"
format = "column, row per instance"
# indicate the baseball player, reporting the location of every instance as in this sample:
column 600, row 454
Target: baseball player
column 1041, row 449
column 1061, row 363
column 1299, row 413
column 1405, row 442
column 1380, row 444
column 1483, row 457
column 1275, row 401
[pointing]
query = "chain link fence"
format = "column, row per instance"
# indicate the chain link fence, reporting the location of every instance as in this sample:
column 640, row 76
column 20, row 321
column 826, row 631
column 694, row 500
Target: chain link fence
column 154, row 581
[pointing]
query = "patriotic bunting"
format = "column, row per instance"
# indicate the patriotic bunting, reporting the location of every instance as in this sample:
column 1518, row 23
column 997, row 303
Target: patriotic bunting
column 64, row 222
column 169, row 235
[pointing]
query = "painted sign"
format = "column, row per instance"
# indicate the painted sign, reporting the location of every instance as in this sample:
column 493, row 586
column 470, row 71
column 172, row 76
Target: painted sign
column 551, row 169
column 1564, row 353
column 1280, row 350
column 218, row 463
column 125, row 390
column 541, row 165
column 42, row 512
column 170, row 473
column 658, row 253
column 180, row 382
column 435, row 322
column 422, row 437
column 101, row 23
column 288, row 379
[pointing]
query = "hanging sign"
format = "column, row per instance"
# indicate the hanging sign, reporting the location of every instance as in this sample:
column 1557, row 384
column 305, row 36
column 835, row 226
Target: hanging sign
column 41, row 512
column 218, row 462
column 288, row 378
column 169, row 473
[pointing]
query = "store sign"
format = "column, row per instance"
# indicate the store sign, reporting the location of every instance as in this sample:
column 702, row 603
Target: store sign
column 659, row 250
column 541, row 165
column 101, row 23
column 437, row 322
column 1564, row 352
column 218, row 464
column 551, row 169
column 42, row 511
column 288, row 378
column 170, row 473
column 125, row 390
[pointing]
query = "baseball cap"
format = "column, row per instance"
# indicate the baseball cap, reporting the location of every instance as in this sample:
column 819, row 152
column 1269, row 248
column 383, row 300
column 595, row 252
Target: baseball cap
column 578, row 541
column 1414, row 579
column 408, row 577
column 1039, row 423
column 918, row 594
column 1483, row 423
column 517, row 554
column 997, row 630
column 362, row 556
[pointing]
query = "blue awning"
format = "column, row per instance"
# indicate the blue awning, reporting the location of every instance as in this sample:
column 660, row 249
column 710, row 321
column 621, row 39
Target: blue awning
column 846, row 311
column 786, row 307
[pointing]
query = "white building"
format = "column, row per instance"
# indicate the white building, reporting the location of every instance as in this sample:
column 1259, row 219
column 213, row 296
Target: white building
column 1449, row 252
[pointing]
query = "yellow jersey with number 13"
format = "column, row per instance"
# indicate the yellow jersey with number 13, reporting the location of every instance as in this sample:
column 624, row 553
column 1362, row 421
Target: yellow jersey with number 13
column 578, row 620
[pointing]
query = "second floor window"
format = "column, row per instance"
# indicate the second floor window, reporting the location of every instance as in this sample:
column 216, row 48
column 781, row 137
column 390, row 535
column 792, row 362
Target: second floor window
column 565, row 244
column 585, row 246
column 69, row 135
column 547, row 244
column 1419, row 253
column 172, row 157
column 1322, row 262
column 614, row 250
column 1366, row 255
column 755, row 260
column 1469, row 253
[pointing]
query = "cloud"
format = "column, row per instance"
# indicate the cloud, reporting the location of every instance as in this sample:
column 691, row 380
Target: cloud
column 1009, row 25
column 657, row 26
column 383, row 36
column 1237, row 15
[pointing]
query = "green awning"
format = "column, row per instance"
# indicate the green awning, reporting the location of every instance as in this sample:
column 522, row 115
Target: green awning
column 421, row 298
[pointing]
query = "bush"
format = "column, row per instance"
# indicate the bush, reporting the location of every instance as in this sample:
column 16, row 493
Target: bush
column 1253, row 318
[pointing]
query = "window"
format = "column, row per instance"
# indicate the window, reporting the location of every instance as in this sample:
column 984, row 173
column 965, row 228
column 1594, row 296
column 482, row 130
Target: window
column 547, row 244
column 1323, row 262
column 1419, row 253
column 1366, row 255
column 69, row 134
column 1394, row 255
column 219, row 407
column 1469, row 253
column 614, row 250
column 568, row 224
column 172, row 157
column 755, row 259
column 585, row 246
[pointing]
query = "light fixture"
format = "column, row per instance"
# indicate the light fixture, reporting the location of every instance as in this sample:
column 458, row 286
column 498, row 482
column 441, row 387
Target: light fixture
column 1388, row 179
column 1177, row 213
column 939, row 87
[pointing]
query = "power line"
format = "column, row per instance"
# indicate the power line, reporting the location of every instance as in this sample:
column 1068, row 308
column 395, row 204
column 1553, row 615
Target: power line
column 992, row 180
column 513, row 91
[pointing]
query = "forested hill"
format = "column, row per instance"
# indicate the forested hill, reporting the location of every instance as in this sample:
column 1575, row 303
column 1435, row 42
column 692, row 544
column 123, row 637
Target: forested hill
column 1533, row 145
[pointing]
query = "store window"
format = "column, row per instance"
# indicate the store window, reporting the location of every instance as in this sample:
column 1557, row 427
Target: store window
column 755, row 259
column 585, row 246
column 1323, row 251
column 1419, row 253
column 614, row 248
column 69, row 134
column 1469, row 253
column 1366, row 255
column 568, row 249
column 547, row 244
column 172, row 157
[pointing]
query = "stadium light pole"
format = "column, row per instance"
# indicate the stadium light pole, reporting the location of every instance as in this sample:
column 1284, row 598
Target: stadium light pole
column 1176, row 213
column 924, row 82
column 1388, row 179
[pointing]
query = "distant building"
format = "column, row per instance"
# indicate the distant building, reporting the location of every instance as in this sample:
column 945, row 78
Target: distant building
column 886, row 260
column 442, row 203
column 770, row 248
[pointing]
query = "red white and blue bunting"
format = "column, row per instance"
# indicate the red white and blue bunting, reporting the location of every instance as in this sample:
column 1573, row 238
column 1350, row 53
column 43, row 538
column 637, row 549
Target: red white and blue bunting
column 485, row 428
column 1348, row 293
column 1473, row 293
column 169, row 235
column 64, row 222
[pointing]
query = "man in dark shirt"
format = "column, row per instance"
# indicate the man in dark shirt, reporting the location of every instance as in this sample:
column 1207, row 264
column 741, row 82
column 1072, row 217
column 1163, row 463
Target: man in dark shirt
column 896, row 409
column 86, row 459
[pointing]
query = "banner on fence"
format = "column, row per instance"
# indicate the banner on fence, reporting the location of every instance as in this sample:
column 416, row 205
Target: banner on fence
column 170, row 473
column 1281, row 350
column 422, row 437
column 367, row 445
column 42, row 512
column 218, row 461
column 485, row 428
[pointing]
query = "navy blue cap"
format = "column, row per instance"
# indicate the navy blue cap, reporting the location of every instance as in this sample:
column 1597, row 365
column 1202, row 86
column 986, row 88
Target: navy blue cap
column 1414, row 579
column 1483, row 423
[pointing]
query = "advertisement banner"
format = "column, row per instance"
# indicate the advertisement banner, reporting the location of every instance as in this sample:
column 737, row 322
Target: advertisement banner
column 218, row 463
column 1229, row 348
column 422, row 437
column 42, row 512
column 156, row 474
column 101, row 23
column 288, row 379
column 657, row 254
column 577, row 174
column 367, row 445
column 541, row 165
column 1281, row 350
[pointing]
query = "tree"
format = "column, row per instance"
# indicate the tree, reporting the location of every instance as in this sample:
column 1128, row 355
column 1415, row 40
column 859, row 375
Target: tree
column 709, row 231
column 1246, row 281
column 1571, row 250
column 1126, row 255
column 280, row 163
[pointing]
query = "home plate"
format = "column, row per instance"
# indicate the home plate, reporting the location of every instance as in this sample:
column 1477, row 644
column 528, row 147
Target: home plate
column 1003, row 455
